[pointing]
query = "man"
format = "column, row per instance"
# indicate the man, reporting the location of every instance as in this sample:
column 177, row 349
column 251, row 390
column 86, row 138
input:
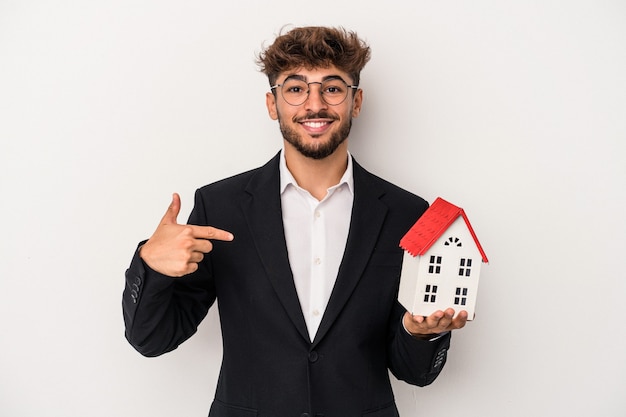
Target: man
column 302, row 255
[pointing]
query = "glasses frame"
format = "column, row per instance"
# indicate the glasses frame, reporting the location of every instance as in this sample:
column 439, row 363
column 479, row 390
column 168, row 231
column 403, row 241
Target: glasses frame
column 308, row 92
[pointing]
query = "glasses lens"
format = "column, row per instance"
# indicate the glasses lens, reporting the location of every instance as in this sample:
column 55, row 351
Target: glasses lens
column 334, row 91
column 296, row 92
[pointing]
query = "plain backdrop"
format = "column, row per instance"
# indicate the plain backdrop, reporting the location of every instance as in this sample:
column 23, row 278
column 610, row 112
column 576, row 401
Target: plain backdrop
column 513, row 110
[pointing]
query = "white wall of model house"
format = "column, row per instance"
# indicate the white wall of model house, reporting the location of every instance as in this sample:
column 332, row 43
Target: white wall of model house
column 446, row 275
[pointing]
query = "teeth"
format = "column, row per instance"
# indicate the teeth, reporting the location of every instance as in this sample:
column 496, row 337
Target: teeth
column 315, row 125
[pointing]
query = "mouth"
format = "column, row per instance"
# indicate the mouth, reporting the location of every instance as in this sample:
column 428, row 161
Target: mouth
column 316, row 126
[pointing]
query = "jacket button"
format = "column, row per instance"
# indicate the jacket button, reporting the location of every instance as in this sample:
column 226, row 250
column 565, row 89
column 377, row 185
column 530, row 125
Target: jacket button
column 304, row 415
column 313, row 357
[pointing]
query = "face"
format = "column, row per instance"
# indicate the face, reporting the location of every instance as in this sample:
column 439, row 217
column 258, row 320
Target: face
column 314, row 128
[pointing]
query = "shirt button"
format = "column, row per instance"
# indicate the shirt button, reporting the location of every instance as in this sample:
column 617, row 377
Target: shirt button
column 316, row 312
column 317, row 214
column 317, row 261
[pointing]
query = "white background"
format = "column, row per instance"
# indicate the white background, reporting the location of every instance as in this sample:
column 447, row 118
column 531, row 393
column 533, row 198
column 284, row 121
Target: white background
column 515, row 111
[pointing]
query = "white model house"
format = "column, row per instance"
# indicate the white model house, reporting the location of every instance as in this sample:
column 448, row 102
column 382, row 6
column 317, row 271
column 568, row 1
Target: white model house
column 442, row 260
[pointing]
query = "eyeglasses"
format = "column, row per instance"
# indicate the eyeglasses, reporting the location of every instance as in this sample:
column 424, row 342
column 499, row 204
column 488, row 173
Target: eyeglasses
column 296, row 91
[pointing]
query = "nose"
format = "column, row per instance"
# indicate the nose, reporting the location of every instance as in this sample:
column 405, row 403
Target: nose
column 314, row 100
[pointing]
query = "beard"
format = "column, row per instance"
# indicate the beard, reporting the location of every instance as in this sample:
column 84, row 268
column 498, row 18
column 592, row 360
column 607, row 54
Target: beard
column 319, row 150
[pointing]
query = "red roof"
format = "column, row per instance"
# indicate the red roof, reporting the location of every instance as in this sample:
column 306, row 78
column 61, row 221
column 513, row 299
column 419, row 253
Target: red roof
column 433, row 223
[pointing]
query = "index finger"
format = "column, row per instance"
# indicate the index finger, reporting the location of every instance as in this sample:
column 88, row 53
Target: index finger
column 212, row 233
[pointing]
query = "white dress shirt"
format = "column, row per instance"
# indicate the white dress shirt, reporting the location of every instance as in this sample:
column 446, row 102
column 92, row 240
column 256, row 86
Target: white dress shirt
column 316, row 233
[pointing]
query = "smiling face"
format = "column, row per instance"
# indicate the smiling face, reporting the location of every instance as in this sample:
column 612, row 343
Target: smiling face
column 314, row 128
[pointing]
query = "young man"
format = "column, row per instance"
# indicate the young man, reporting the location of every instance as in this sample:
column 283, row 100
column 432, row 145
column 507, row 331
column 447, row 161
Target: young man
column 302, row 254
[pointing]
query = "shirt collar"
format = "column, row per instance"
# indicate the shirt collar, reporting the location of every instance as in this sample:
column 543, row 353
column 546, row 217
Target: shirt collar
column 286, row 178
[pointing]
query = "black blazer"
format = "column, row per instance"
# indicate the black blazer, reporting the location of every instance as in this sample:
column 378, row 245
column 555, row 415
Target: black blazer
column 269, row 365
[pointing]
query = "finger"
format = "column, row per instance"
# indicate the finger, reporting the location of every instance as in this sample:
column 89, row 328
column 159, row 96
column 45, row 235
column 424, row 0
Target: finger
column 202, row 246
column 171, row 215
column 460, row 320
column 413, row 324
column 191, row 268
column 196, row 257
column 446, row 320
column 419, row 325
column 213, row 233
column 433, row 320
column 418, row 319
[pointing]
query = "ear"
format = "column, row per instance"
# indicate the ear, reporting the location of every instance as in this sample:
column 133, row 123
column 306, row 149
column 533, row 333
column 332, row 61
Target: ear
column 357, row 102
column 270, row 102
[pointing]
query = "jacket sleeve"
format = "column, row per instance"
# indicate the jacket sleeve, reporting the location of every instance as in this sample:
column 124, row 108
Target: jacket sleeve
column 161, row 312
column 415, row 361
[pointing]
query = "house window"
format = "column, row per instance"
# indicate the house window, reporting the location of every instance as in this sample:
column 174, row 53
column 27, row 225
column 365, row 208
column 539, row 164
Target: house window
column 460, row 296
column 465, row 267
column 430, row 295
column 455, row 241
column 434, row 266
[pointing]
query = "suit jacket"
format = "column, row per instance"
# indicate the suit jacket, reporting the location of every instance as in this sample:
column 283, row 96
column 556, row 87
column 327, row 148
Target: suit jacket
column 270, row 368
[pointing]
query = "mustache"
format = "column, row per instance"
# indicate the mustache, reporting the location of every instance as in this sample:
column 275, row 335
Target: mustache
column 322, row 114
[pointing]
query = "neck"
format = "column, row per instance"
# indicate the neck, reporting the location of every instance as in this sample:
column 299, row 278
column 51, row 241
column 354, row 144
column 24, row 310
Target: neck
column 317, row 175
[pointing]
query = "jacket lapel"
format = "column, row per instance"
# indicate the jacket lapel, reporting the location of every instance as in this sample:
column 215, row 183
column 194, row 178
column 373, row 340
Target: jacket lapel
column 264, row 216
column 368, row 215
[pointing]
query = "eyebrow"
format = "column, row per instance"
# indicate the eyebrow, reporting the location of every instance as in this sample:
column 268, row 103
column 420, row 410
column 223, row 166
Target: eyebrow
column 303, row 78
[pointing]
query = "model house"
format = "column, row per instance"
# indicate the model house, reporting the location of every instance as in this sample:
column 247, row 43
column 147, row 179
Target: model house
column 442, row 261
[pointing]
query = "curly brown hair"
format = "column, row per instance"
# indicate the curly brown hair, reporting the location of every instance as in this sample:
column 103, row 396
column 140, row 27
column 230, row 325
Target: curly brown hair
column 315, row 47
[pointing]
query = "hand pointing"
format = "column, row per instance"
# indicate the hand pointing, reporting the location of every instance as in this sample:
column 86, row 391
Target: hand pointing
column 176, row 249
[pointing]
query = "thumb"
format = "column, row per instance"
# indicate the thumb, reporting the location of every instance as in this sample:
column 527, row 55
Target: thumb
column 171, row 214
